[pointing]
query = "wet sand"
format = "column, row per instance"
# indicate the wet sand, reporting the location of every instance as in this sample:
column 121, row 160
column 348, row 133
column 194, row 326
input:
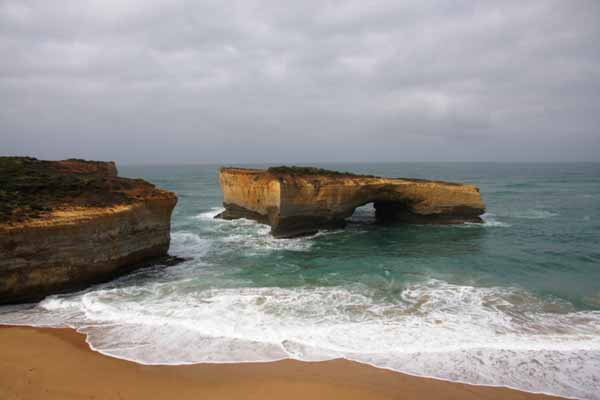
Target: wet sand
column 58, row 364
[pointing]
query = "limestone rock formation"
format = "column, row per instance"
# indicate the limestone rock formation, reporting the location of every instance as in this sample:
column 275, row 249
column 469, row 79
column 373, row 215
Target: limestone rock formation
column 298, row 201
column 67, row 224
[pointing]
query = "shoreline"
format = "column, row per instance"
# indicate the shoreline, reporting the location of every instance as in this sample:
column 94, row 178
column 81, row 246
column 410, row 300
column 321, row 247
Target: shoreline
column 57, row 363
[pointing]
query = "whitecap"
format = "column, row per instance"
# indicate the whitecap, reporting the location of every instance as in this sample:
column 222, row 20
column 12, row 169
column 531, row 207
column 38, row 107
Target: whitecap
column 186, row 244
column 256, row 238
column 535, row 214
column 489, row 221
column 209, row 215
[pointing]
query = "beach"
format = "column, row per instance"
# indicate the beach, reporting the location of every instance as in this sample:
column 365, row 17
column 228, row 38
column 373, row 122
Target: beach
column 47, row 363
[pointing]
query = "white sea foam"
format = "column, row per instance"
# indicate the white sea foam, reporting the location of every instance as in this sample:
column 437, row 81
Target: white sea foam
column 258, row 239
column 187, row 244
column 498, row 336
column 535, row 214
column 489, row 220
column 250, row 236
column 209, row 215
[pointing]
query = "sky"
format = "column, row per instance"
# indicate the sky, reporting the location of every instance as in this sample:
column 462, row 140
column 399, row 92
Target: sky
column 190, row 81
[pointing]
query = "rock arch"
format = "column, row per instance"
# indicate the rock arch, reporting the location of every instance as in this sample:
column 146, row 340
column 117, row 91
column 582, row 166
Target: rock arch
column 300, row 201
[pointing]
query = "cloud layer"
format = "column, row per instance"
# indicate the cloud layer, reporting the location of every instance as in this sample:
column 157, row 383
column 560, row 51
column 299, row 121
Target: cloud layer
column 250, row 81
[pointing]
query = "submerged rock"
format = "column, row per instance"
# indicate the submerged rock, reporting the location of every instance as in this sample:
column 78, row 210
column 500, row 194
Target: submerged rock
column 67, row 224
column 298, row 201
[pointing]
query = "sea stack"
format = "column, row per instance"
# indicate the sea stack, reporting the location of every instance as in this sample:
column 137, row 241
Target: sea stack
column 298, row 201
column 68, row 224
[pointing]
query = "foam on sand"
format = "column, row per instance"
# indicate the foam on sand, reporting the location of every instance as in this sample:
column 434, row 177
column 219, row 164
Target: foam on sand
column 495, row 336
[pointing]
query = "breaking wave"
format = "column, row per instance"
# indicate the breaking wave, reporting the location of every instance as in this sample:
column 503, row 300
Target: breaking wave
column 496, row 336
column 535, row 214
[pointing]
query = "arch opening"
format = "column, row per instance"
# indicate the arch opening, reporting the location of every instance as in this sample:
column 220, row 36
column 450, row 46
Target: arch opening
column 363, row 214
column 378, row 212
column 393, row 212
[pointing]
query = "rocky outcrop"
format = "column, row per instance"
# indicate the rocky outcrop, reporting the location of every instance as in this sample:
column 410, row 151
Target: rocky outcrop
column 298, row 201
column 67, row 224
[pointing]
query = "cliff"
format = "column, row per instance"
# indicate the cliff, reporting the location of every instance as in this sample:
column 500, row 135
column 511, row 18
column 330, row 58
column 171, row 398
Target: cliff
column 298, row 201
column 67, row 224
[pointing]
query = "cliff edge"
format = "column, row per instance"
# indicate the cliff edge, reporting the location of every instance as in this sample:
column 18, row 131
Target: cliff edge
column 297, row 201
column 68, row 224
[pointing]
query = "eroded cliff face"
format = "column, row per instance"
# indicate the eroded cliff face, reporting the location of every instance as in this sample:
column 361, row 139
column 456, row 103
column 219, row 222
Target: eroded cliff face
column 250, row 194
column 299, row 201
column 72, row 223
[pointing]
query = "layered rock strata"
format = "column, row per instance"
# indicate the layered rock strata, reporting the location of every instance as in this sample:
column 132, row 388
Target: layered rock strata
column 67, row 224
column 299, row 201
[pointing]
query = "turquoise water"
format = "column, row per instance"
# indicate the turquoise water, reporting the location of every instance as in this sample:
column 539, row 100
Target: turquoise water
column 514, row 301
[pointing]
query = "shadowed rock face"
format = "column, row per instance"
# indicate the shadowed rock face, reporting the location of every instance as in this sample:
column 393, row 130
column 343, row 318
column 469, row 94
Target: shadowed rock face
column 300, row 201
column 67, row 224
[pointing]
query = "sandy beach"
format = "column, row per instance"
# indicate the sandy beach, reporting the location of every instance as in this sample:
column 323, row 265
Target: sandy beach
column 58, row 364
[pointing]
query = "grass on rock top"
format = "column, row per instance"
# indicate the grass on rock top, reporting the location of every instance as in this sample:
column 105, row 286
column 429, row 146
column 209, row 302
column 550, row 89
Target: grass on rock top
column 307, row 171
column 30, row 187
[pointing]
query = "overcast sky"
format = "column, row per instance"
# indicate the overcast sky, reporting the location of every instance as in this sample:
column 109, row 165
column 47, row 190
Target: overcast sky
column 172, row 81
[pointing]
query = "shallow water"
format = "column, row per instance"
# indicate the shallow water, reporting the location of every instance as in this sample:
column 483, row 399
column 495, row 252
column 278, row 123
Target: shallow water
column 514, row 301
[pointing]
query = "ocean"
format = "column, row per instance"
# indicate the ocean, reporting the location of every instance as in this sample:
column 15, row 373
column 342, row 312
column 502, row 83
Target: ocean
column 514, row 301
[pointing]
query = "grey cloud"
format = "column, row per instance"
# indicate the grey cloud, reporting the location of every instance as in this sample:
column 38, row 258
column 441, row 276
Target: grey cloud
column 251, row 81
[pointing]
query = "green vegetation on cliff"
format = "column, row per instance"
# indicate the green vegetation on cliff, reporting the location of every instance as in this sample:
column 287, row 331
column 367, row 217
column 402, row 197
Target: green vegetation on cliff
column 30, row 187
column 308, row 171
